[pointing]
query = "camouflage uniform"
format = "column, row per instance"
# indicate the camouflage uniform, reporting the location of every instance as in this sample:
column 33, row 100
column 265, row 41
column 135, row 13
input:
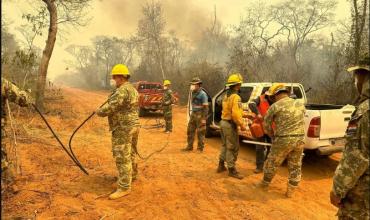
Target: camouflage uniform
column 122, row 110
column 12, row 93
column 167, row 102
column 352, row 177
column 199, row 113
column 288, row 139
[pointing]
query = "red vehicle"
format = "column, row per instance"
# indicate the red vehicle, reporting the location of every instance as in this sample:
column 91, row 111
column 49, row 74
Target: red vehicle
column 150, row 96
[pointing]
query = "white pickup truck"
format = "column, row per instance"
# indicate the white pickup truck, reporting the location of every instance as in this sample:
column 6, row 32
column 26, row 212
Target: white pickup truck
column 325, row 125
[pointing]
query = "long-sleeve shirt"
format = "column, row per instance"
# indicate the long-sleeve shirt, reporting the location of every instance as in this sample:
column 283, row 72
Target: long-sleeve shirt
column 122, row 108
column 232, row 108
column 352, row 174
column 288, row 116
column 253, row 105
column 167, row 98
column 13, row 94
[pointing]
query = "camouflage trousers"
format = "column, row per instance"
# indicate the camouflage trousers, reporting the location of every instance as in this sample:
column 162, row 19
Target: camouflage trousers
column 124, row 147
column 195, row 125
column 6, row 171
column 356, row 204
column 290, row 148
column 230, row 143
column 167, row 113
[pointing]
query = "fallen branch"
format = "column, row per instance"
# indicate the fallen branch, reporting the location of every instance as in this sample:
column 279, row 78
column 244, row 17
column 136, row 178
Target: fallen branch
column 17, row 165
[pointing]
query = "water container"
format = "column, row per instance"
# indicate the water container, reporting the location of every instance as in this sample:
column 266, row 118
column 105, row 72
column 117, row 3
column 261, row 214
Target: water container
column 257, row 129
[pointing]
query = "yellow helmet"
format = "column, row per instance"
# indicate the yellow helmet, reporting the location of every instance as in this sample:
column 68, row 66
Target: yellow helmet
column 235, row 78
column 275, row 88
column 120, row 69
column 166, row 82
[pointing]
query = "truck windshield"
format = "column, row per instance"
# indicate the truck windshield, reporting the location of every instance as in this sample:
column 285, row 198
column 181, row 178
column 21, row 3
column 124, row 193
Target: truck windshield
column 297, row 92
column 149, row 86
column 245, row 93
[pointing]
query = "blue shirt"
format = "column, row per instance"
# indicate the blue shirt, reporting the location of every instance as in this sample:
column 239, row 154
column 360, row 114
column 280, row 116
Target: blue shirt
column 200, row 98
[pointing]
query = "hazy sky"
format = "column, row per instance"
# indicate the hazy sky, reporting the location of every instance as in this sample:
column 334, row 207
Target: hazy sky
column 120, row 17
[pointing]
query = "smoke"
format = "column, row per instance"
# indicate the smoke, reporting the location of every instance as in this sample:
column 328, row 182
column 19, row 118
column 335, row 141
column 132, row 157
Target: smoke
column 186, row 18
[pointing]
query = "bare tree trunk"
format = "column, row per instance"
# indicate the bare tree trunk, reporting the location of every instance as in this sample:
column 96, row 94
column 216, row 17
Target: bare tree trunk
column 359, row 23
column 46, row 55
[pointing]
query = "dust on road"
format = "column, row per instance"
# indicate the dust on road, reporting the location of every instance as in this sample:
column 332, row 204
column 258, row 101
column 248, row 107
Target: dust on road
column 170, row 185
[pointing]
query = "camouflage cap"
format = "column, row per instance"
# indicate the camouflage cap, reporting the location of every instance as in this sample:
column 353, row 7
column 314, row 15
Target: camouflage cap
column 196, row 80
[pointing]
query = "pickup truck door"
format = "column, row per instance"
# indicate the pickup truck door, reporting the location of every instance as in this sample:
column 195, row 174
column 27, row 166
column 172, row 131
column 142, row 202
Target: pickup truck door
column 189, row 107
column 334, row 122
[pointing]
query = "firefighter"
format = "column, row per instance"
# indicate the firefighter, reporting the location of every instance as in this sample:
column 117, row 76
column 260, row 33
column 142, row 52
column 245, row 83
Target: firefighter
column 167, row 101
column 259, row 106
column 232, row 118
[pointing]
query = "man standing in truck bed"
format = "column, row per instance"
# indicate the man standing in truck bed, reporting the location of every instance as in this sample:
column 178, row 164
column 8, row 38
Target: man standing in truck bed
column 259, row 106
column 198, row 117
column 351, row 182
column 288, row 137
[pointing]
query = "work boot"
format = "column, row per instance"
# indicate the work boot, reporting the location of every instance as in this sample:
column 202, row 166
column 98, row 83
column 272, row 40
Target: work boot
column 263, row 184
column 119, row 193
column 200, row 150
column 221, row 166
column 258, row 170
column 234, row 173
column 187, row 149
column 290, row 190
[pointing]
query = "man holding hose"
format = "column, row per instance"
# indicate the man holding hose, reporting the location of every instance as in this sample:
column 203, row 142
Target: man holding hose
column 122, row 110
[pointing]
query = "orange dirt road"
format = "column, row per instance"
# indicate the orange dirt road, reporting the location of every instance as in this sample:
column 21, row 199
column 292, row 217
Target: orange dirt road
column 170, row 185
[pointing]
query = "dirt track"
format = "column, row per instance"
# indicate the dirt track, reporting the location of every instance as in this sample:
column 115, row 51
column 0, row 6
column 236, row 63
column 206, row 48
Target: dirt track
column 171, row 184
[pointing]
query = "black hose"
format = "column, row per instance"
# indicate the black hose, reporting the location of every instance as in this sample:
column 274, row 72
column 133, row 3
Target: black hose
column 74, row 159
column 136, row 151
column 78, row 128
column 154, row 152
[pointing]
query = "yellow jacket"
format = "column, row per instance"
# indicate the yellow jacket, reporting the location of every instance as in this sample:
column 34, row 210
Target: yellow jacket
column 232, row 108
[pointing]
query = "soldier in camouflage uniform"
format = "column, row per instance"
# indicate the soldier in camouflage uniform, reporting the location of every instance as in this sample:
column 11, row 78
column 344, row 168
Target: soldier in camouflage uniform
column 9, row 92
column 288, row 138
column 167, row 101
column 122, row 110
column 198, row 117
column 351, row 182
